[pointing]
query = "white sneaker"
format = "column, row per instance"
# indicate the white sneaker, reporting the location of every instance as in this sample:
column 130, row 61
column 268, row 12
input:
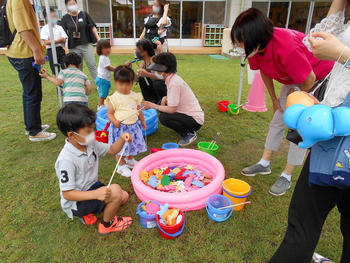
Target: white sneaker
column 44, row 127
column 43, row 136
column 124, row 170
column 131, row 162
column 317, row 258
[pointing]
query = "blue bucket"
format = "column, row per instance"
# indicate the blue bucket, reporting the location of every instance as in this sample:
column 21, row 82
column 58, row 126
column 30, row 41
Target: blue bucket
column 147, row 221
column 170, row 145
column 216, row 201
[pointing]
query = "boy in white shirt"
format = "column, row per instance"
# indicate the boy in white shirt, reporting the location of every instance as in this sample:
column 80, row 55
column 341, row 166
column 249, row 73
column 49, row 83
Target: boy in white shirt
column 103, row 80
column 60, row 38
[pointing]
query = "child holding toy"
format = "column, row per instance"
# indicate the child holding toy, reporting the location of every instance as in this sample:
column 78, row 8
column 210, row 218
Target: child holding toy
column 125, row 115
column 103, row 80
column 74, row 81
column 82, row 194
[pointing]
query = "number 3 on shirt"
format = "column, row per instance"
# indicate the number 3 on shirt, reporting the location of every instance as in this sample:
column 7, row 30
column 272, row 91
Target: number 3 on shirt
column 64, row 175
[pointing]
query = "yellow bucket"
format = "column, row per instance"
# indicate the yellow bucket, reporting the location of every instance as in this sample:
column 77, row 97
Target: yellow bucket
column 237, row 191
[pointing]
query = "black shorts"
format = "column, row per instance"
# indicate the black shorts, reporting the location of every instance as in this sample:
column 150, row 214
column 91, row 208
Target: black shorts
column 90, row 206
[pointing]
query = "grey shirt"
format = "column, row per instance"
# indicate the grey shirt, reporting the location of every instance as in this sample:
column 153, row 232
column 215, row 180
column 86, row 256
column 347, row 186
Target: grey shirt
column 77, row 170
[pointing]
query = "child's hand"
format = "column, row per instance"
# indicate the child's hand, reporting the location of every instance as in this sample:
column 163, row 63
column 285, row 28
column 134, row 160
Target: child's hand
column 116, row 123
column 44, row 74
column 126, row 137
column 103, row 193
column 144, row 124
column 147, row 105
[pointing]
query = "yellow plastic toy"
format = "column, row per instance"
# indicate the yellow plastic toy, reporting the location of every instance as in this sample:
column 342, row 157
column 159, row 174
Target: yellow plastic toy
column 144, row 176
column 103, row 134
column 170, row 216
column 300, row 97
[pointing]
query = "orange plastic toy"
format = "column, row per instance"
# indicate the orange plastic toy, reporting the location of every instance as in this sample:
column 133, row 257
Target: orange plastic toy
column 300, row 97
column 170, row 216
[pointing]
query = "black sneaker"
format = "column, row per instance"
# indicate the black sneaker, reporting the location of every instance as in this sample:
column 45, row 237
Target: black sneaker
column 188, row 139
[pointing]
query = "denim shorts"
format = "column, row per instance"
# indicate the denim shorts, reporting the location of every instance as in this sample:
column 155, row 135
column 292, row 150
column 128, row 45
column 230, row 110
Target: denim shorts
column 103, row 87
column 90, row 206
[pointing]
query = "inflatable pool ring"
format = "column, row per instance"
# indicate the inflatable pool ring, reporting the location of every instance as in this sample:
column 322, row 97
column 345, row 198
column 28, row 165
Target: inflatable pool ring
column 186, row 201
column 150, row 115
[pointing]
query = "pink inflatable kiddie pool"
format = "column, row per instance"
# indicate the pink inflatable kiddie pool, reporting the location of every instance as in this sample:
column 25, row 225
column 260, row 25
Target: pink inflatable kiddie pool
column 186, row 201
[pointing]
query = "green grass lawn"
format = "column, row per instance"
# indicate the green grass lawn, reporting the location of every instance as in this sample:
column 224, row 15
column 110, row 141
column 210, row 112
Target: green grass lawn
column 35, row 229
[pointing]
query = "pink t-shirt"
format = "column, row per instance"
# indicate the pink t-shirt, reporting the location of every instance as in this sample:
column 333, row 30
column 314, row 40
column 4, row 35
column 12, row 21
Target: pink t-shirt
column 287, row 59
column 181, row 96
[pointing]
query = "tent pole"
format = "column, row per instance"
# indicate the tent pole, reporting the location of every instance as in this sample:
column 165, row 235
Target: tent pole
column 53, row 48
column 241, row 81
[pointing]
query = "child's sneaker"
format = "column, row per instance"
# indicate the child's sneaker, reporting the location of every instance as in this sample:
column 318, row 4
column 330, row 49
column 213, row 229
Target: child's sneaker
column 131, row 162
column 119, row 224
column 124, row 170
column 90, row 219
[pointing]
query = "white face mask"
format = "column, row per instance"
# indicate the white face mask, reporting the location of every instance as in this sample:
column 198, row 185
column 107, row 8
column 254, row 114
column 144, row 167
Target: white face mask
column 73, row 8
column 158, row 75
column 156, row 9
column 241, row 52
column 89, row 139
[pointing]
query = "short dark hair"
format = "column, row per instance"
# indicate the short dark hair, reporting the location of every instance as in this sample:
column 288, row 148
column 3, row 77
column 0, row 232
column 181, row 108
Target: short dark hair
column 73, row 117
column 146, row 45
column 124, row 74
column 66, row 1
column 51, row 11
column 166, row 59
column 72, row 59
column 252, row 28
column 103, row 43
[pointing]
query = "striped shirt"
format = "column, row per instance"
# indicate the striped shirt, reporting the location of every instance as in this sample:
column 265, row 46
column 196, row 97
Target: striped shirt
column 74, row 82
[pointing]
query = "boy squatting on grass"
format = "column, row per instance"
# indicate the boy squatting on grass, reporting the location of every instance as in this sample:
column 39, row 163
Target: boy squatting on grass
column 82, row 194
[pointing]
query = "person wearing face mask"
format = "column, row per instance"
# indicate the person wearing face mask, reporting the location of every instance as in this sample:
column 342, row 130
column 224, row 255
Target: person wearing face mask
column 82, row 194
column 152, row 85
column 82, row 33
column 156, row 26
column 280, row 55
column 60, row 38
column 180, row 109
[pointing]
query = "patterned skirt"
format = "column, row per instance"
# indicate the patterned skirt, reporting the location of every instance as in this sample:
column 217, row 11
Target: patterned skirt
column 137, row 145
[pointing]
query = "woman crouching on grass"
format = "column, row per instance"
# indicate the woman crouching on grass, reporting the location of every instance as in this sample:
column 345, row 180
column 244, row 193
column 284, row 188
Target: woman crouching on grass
column 180, row 109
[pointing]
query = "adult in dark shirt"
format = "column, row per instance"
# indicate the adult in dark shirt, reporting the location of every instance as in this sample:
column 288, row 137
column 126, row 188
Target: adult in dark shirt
column 82, row 33
column 153, row 89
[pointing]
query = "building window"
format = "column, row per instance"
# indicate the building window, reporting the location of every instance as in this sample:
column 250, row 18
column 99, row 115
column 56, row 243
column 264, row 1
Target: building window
column 214, row 12
column 122, row 19
column 278, row 13
column 174, row 14
column 262, row 6
column 100, row 11
column 299, row 15
column 142, row 10
column 192, row 19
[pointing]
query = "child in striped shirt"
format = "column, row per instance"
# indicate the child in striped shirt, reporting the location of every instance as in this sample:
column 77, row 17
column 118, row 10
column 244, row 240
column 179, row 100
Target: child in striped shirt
column 76, row 85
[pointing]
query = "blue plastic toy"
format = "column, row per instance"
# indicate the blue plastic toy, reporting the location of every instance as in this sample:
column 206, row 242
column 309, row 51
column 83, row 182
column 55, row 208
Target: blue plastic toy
column 163, row 209
column 152, row 181
column 150, row 115
column 197, row 183
column 317, row 123
column 38, row 68
column 170, row 145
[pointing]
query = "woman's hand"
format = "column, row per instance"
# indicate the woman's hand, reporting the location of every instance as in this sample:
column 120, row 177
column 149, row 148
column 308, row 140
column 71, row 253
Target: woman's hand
column 147, row 105
column 141, row 72
column 277, row 106
column 128, row 64
column 326, row 46
column 164, row 101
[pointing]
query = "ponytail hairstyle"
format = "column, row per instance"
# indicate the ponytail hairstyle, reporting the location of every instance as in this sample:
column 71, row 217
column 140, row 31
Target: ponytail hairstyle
column 124, row 74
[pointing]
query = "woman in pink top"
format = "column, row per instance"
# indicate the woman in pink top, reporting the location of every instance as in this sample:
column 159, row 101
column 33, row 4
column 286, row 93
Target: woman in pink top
column 280, row 55
column 180, row 109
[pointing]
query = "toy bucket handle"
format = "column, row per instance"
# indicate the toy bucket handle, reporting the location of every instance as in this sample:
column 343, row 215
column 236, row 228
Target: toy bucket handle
column 107, row 126
column 175, row 234
column 223, row 105
column 244, row 196
column 220, row 219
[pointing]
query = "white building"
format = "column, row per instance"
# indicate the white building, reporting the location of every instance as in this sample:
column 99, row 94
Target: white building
column 125, row 17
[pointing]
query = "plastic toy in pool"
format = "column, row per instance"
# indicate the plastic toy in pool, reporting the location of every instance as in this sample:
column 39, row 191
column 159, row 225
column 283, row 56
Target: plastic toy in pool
column 186, row 200
column 151, row 118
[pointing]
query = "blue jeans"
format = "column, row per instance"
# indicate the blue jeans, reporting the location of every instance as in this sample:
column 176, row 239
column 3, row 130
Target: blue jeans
column 32, row 93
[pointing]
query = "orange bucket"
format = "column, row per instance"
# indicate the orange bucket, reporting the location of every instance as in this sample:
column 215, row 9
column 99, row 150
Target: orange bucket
column 237, row 191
